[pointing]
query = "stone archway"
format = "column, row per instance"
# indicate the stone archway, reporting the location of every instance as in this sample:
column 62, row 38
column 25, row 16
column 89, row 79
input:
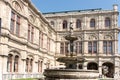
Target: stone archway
column 110, row 69
column 92, row 66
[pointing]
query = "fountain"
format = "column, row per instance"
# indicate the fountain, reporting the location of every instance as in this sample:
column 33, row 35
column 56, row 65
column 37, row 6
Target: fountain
column 72, row 70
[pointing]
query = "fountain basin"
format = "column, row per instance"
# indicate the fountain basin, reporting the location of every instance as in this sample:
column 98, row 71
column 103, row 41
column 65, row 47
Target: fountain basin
column 70, row 74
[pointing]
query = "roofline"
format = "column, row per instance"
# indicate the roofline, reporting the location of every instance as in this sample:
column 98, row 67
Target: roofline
column 96, row 9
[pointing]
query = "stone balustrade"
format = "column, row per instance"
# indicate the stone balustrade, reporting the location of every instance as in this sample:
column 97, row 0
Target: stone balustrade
column 19, row 76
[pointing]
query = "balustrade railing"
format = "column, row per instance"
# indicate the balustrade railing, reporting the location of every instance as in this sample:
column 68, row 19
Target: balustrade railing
column 18, row 76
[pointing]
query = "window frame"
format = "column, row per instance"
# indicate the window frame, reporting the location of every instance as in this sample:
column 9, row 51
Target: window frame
column 107, row 22
column 65, row 24
column 92, row 23
column 78, row 23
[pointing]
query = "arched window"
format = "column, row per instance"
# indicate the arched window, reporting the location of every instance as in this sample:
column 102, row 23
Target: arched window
column 65, row 24
column 9, row 63
column 27, row 65
column 107, row 22
column 92, row 23
column 39, row 66
column 52, row 23
column 16, row 60
column 78, row 23
column 31, row 65
column 92, row 66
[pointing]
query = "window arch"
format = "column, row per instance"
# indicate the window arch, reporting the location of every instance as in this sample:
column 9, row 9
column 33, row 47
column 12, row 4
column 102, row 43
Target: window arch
column 92, row 23
column 107, row 22
column 27, row 65
column 65, row 23
column 16, row 61
column 12, row 63
column 9, row 62
column 31, row 65
column 78, row 23
column 40, row 65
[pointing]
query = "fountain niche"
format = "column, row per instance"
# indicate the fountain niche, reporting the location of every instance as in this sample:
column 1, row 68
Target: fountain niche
column 73, row 65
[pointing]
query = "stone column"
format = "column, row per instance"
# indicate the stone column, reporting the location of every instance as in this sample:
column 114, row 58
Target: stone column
column 85, row 44
column 100, row 67
column 117, row 64
column 100, row 47
column 85, row 65
column 22, row 65
column 116, row 43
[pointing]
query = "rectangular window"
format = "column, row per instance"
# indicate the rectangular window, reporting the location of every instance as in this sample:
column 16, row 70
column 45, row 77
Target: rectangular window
column 107, row 47
column 12, row 25
column 18, row 26
column 110, row 47
column 15, row 24
column 92, row 47
column 30, row 33
column 78, row 46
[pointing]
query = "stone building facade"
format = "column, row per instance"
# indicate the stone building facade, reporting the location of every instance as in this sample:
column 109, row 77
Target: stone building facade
column 31, row 41
column 27, row 41
column 97, row 32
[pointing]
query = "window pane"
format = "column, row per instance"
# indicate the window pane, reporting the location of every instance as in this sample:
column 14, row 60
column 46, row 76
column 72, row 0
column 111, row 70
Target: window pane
column 110, row 47
column 89, row 47
column 12, row 26
column 107, row 22
column 64, row 24
column 13, row 15
column 105, row 47
column 27, row 64
column 32, row 34
column 16, row 64
column 9, row 63
column 17, row 29
column 28, row 32
column 78, row 23
column 95, row 47
column 80, row 47
column 92, row 23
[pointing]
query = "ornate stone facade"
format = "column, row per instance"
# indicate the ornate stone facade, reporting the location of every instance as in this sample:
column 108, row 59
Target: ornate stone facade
column 97, row 31
column 29, row 43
